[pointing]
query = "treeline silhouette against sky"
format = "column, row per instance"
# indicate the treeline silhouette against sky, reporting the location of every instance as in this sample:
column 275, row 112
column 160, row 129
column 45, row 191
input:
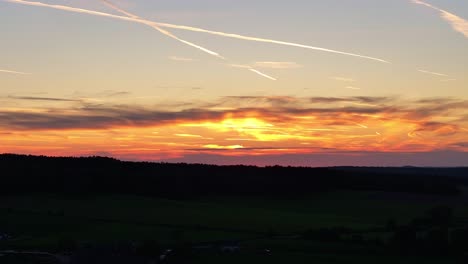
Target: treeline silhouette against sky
column 92, row 175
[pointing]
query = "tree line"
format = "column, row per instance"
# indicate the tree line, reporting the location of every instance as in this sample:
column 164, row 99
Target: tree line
column 102, row 175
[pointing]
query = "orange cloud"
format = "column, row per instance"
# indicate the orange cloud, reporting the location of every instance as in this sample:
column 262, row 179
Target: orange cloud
column 240, row 126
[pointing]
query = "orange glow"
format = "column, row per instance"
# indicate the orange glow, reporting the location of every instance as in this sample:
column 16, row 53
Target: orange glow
column 240, row 136
column 282, row 125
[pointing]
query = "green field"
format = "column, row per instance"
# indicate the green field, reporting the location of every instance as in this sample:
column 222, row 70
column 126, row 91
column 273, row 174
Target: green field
column 39, row 222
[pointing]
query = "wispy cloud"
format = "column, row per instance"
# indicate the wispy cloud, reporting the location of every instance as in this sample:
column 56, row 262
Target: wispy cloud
column 352, row 88
column 182, row 59
column 458, row 24
column 194, row 29
column 343, row 79
column 31, row 98
column 277, row 65
column 13, row 72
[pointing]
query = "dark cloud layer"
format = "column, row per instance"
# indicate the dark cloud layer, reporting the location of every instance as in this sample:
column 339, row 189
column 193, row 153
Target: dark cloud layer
column 282, row 109
column 31, row 98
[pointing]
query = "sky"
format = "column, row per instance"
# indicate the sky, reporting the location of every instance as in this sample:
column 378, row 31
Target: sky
column 258, row 82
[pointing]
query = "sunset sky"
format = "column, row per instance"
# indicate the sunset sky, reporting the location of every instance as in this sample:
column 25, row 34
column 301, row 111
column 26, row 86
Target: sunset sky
column 302, row 82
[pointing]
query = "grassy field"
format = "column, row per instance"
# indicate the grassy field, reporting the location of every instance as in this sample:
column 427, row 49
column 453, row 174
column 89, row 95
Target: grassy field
column 39, row 221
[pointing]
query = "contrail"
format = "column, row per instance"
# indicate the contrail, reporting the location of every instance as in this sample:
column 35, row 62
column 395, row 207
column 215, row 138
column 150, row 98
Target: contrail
column 433, row 73
column 262, row 74
column 14, row 72
column 256, row 39
column 250, row 68
column 165, row 32
column 458, row 24
column 169, row 34
column 218, row 33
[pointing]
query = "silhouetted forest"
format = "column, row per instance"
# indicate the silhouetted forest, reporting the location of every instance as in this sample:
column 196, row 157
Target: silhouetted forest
column 91, row 175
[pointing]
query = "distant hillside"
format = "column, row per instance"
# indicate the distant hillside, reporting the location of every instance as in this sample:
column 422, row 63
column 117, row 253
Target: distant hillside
column 100, row 175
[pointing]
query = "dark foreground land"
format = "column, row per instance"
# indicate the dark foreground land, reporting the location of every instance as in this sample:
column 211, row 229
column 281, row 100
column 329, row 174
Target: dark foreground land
column 101, row 210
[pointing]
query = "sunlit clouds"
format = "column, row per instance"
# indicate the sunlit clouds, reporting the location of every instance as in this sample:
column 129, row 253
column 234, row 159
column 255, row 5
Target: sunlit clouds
column 110, row 77
column 254, row 126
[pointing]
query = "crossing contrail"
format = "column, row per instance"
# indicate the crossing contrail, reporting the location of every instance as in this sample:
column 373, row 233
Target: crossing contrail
column 194, row 29
column 256, row 39
column 13, row 72
column 167, row 33
column 458, row 24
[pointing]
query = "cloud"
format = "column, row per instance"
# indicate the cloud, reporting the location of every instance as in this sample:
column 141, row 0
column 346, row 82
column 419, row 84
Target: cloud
column 436, row 106
column 261, row 125
column 352, row 88
column 218, row 147
column 259, row 101
column 355, row 99
column 440, row 129
column 13, row 72
column 277, row 65
column 424, row 113
column 115, row 93
column 191, row 136
column 458, row 24
column 182, row 59
column 461, row 144
column 241, row 149
column 343, row 79
column 98, row 117
column 31, row 98
column 136, row 19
